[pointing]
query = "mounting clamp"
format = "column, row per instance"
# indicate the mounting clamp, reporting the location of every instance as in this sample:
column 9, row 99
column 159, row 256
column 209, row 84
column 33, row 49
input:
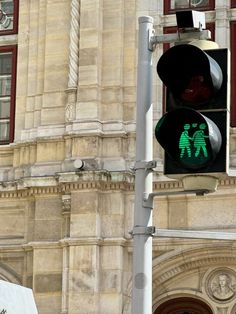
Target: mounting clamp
column 139, row 230
column 148, row 165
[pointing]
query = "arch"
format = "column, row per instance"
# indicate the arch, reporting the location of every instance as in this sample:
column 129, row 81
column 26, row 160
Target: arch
column 178, row 262
column 171, row 268
column 183, row 305
column 175, row 264
column 8, row 274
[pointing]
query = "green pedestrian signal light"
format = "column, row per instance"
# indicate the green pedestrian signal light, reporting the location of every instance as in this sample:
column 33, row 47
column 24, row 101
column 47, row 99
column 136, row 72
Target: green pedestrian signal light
column 199, row 143
column 195, row 129
column 192, row 141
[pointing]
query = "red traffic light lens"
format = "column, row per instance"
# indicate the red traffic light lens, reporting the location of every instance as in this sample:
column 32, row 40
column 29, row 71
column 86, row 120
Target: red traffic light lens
column 191, row 75
column 197, row 91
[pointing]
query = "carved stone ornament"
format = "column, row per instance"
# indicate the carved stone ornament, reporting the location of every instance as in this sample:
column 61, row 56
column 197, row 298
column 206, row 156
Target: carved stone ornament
column 69, row 113
column 221, row 285
column 66, row 204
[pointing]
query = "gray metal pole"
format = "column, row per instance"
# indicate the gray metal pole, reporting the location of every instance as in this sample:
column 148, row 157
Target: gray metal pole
column 142, row 249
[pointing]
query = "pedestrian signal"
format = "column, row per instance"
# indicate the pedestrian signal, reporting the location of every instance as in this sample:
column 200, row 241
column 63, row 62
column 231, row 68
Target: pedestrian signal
column 194, row 130
column 191, row 139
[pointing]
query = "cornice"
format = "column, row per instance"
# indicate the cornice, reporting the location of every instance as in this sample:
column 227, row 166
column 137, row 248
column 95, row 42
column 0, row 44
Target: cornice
column 101, row 180
column 65, row 242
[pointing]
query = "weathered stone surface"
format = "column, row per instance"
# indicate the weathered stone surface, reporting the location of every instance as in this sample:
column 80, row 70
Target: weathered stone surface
column 47, row 283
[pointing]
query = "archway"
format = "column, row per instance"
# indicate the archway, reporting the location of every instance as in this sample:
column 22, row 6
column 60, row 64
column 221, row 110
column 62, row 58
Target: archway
column 183, row 306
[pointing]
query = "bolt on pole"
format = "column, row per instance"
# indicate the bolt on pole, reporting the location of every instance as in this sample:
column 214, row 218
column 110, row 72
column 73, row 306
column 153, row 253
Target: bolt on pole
column 142, row 236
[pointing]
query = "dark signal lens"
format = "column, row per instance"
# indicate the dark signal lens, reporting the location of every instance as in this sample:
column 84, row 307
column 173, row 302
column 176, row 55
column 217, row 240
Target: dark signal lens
column 197, row 91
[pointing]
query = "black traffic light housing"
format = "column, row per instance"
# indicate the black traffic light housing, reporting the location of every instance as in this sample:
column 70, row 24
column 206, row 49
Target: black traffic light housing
column 194, row 131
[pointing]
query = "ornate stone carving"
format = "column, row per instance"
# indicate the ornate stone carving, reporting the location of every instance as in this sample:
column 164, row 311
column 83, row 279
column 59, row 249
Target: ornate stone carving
column 70, row 111
column 66, row 203
column 74, row 44
column 73, row 61
column 221, row 285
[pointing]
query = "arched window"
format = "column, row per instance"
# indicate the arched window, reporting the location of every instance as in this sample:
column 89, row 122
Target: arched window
column 8, row 17
column 183, row 306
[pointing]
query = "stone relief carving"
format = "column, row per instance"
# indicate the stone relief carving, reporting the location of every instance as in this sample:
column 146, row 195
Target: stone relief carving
column 221, row 285
column 66, row 204
column 69, row 113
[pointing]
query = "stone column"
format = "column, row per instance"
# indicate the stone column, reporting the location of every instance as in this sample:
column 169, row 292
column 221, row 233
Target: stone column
column 84, row 252
column 222, row 36
column 90, row 64
column 73, row 61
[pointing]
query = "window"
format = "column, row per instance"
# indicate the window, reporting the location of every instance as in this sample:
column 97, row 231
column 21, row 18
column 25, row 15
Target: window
column 233, row 73
column 233, row 3
column 7, row 92
column 171, row 5
column 8, row 54
column 8, row 17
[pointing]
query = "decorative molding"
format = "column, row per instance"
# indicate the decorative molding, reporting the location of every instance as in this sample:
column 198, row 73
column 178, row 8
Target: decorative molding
column 70, row 110
column 220, row 285
column 65, row 281
column 9, row 274
column 182, row 261
column 66, row 204
column 74, row 44
column 94, row 241
column 66, row 211
column 103, row 180
column 42, row 245
column 73, row 61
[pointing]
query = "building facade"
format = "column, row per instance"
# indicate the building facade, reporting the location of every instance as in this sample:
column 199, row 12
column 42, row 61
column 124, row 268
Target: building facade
column 67, row 150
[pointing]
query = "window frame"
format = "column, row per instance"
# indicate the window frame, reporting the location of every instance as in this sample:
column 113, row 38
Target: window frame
column 233, row 74
column 168, row 10
column 233, row 3
column 14, row 30
column 13, row 50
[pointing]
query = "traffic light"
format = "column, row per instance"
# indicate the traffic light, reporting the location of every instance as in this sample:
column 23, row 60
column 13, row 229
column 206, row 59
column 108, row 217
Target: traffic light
column 194, row 129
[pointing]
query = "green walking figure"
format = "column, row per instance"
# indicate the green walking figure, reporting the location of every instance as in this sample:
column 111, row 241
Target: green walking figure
column 199, row 140
column 184, row 141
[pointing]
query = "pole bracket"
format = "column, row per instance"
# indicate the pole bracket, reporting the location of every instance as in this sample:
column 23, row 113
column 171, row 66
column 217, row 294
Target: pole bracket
column 148, row 200
column 139, row 230
column 148, row 197
column 154, row 40
column 147, row 165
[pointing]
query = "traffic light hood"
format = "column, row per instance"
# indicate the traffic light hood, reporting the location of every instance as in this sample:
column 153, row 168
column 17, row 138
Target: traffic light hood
column 191, row 75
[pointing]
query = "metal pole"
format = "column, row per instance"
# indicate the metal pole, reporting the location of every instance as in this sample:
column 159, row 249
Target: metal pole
column 142, row 249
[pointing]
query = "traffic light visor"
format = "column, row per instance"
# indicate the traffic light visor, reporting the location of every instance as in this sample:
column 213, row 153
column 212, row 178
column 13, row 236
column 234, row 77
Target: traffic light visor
column 191, row 75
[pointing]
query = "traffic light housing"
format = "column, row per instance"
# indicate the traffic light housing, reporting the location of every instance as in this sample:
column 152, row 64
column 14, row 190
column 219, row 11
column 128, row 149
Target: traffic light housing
column 194, row 130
